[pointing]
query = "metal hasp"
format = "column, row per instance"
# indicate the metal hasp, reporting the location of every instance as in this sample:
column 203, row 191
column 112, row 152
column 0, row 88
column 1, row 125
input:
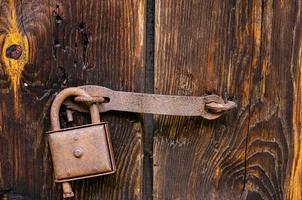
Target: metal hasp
column 209, row 106
column 82, row 151
column 86, row 151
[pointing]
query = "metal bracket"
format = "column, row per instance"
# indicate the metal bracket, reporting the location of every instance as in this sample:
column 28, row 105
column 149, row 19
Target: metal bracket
column 209, row 106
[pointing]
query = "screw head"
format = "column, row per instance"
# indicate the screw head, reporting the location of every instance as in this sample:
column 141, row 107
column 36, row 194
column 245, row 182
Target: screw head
column 78, row 152
column 75, row 138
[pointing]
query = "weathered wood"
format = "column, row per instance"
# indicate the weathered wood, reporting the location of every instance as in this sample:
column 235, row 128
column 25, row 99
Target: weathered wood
column 246, row 50
column 249, row 51
column 67, row 43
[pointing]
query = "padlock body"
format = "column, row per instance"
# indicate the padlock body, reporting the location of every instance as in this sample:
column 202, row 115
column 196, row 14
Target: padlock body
column 81, row 152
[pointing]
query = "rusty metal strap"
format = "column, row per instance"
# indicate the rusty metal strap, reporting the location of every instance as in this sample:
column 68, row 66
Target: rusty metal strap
column 209, row 106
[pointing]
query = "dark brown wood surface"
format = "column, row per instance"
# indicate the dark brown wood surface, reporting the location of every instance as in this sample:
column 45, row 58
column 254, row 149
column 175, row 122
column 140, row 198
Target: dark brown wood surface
column 249, row 51
column 67, row 43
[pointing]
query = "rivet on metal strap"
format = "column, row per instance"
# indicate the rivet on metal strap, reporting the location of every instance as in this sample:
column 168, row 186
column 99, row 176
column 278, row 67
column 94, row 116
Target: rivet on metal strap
column 78, row 152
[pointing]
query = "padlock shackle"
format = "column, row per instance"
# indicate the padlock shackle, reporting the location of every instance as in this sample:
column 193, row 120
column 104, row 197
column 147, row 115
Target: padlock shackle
column 61, row 97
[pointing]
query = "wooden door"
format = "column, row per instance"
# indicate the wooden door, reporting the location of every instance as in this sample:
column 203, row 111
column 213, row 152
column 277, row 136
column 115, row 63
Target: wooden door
column 247, row 51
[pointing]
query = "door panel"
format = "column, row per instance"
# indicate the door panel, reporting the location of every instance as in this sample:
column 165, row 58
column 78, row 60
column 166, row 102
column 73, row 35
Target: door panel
column 68, row 43
column 248, row 51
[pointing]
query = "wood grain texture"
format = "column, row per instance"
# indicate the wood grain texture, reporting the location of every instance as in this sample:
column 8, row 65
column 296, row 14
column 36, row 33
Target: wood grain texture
column 249, row 51
column 70, row 43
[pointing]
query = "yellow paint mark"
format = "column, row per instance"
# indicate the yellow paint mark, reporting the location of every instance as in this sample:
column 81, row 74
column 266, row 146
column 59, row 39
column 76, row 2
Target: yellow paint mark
column 14, row 67
column 295, row 189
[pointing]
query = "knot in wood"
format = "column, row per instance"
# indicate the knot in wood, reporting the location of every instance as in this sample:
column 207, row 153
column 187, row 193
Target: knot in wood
column 14, row 51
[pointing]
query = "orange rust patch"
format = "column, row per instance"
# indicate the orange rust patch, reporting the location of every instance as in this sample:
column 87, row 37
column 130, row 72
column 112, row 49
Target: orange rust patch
column 14, row 67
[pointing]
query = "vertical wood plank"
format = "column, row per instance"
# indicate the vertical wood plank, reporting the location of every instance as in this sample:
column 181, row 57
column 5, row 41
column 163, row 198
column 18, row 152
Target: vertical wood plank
column 68, row 43
column 293, row 189
column 248, row 51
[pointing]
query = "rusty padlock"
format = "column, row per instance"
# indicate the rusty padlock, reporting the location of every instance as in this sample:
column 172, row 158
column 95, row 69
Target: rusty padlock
column 79, row 152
